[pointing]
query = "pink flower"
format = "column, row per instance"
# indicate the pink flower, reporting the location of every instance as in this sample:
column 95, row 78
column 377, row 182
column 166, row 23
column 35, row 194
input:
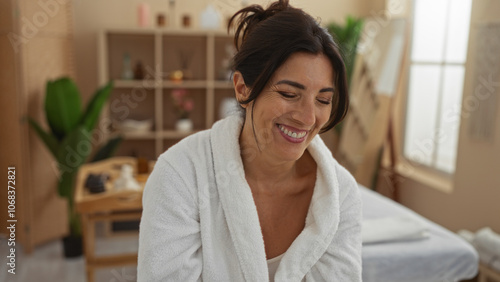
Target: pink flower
column 178, row 95
column 182, row 102
column 188, row 105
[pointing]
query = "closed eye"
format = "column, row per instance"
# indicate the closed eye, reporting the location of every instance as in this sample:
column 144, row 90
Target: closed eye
column 286, row 94
column 326, row 102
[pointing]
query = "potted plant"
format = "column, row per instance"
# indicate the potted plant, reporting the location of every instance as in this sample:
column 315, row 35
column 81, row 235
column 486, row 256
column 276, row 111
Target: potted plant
column 183, row 105
column 347, row 36
column 69, row 142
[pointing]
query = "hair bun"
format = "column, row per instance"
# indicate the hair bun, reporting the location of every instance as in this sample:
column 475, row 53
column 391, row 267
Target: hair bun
column 252, row 15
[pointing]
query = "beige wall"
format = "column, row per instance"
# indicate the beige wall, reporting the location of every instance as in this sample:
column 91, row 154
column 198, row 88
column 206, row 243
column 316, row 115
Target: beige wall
column 474, row 200
column 93, row 15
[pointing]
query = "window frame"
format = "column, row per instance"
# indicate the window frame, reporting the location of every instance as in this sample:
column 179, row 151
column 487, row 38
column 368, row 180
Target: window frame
column 411, row 168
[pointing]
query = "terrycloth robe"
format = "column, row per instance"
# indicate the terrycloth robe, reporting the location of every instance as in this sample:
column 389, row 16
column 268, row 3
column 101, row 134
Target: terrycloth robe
column 200, row 222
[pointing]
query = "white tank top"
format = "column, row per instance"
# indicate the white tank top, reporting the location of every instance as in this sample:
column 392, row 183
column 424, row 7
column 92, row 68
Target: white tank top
column 272, row 266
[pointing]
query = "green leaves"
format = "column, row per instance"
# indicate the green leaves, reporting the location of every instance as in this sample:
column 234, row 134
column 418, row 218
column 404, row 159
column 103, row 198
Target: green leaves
column 70, row 139
column 70, row 142
column 62, row 106
column 347, row 36
column 75, row 148
column 108, row 149
column 49, row 140
column 348, row 33
column 94, row 107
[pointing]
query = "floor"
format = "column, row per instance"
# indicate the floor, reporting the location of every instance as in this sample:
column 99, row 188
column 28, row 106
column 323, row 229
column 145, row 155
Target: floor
column 47, row 263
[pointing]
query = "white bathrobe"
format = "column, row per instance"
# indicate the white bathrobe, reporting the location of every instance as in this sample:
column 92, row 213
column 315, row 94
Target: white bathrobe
column 200, row 222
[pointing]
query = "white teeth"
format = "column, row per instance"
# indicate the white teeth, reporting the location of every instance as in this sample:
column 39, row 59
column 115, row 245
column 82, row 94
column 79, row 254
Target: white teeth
column 291, row 133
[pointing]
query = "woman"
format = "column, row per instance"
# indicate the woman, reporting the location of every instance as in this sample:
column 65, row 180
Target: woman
column 259, row 196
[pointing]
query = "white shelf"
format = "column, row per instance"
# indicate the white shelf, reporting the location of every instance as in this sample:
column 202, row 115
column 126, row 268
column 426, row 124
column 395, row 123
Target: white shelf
column 174, row 134
column 139, row 135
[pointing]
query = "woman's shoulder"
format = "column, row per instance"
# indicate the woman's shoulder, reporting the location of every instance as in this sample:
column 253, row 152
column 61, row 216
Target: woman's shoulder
column 332, row 169
column 344, row 176
column 326, row 160
column 191, row 147
column 197, row 148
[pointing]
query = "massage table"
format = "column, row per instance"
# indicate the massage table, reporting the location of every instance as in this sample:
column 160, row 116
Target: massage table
column 442, row 256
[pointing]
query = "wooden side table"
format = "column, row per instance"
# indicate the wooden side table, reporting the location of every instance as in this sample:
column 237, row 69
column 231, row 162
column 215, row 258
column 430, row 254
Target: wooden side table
column 110, row 205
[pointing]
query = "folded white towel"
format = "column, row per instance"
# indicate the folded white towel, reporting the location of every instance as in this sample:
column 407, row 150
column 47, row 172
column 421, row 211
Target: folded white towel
column 484, row 241
column 488, row 258
column 487, row 239
column 467, row 235
column 391, row 229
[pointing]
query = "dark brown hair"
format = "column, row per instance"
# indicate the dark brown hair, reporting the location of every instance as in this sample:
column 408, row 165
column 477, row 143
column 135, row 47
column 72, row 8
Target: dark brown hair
column 266, row 38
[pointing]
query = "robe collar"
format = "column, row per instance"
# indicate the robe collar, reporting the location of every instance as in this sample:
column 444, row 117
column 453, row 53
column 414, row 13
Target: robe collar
column 241, row 212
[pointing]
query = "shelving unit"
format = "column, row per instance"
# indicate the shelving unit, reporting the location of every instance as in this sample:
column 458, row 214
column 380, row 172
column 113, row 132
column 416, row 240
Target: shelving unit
column 161, row 52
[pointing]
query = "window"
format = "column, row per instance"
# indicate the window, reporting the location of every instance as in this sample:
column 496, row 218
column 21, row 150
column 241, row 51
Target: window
column 436, row 76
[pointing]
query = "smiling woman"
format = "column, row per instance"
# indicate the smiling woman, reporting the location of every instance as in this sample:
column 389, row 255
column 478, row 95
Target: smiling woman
column 294, row 106
column 259, row 196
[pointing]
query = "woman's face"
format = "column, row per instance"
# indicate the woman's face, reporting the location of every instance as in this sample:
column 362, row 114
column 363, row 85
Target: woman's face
column 293, row 107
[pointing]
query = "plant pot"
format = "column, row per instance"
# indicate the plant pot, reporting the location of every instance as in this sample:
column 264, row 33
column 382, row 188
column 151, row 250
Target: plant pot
column 73, row 246
column 184, row 125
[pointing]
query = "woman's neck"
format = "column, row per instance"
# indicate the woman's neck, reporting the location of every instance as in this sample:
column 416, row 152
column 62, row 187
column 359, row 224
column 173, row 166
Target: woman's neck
column 265, row 173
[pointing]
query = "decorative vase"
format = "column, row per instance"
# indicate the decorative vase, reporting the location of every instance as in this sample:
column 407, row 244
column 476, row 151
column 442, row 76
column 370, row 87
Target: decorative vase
column 72, row 246
column 127, row 72
column 184, row 125
column 210, row 18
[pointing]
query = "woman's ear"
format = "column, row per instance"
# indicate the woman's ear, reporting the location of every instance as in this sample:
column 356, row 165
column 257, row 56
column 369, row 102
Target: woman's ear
column 241, row 90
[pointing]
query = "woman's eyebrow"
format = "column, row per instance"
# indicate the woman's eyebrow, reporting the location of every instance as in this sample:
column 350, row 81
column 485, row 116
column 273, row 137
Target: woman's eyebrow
column 302, row 87
column 291, row 83
column 329, row 89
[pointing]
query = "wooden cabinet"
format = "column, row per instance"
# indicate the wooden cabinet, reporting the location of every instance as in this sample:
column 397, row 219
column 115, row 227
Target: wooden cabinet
column 202, row 56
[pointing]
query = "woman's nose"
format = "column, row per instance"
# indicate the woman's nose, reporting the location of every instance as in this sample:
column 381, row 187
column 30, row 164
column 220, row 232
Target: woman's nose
column 305, row 112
